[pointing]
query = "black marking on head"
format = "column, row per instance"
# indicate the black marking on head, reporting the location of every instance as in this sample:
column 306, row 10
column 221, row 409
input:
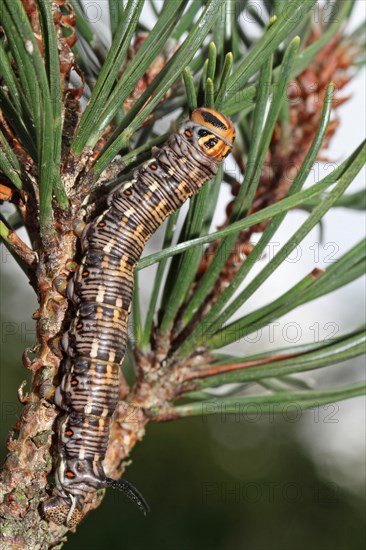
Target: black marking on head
column 212, row 119
column 203, row 133
column 211, row 142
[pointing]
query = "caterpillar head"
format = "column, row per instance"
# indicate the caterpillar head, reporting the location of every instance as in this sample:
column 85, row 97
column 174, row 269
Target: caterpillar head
column 214, row 132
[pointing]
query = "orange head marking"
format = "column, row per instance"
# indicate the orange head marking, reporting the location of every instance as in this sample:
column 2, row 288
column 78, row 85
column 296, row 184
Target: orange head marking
column 217, row 135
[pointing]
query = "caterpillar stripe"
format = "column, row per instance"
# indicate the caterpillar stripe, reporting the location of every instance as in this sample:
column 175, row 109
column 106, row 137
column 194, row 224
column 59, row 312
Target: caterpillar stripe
column 101, row 291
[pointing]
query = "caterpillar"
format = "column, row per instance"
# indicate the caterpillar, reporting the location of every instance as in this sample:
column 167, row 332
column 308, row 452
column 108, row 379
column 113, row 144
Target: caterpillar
column 101, row 291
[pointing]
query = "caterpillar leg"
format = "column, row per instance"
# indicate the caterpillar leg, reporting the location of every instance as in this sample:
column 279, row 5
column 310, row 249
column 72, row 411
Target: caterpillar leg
column 62, row 511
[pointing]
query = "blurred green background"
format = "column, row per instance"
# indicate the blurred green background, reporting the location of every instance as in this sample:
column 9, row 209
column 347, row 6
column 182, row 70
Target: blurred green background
column 218, row 483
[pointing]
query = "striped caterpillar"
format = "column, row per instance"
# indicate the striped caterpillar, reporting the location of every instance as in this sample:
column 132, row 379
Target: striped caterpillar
column 101, row 291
